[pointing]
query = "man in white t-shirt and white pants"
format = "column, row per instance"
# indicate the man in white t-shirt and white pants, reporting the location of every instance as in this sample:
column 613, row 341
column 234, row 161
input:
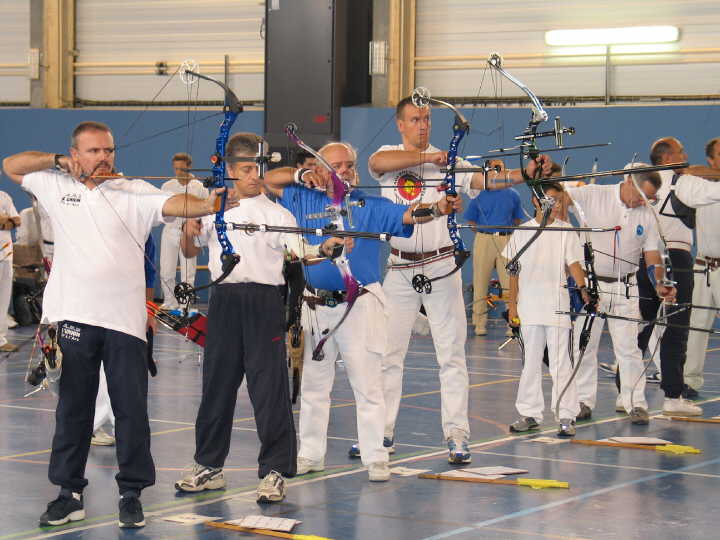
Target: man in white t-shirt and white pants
column 9, row 219
column 616, row 260
column 707, row 279
column 170, row 254
column 96, row 295
column 403, row 171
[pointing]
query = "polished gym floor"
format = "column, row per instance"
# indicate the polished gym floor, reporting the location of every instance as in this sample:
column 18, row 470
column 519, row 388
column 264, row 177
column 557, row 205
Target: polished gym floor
column 614, row 493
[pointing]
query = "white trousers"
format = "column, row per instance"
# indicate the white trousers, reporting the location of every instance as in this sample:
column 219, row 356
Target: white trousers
column 486, row 256
column 624, row 339
column 360, row 340
column 448, row 326
column 6, row 279
column 530, row 400
column 103, row 408
column 701, row 318
column 170, row 257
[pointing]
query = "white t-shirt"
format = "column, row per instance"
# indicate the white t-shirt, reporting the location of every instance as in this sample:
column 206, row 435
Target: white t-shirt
column 98, row 275
column 28, row 233
column 673, row 228
column 261, row 253
column 7, row 209
column 194, row 188
column 542, row 276
column 707, row 225
column 407, row 187
column 601, row 206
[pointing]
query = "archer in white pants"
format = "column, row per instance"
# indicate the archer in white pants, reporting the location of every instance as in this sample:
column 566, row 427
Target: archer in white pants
column 446, row 314
column 624, row 339
column 530, row 401
column 360, row 340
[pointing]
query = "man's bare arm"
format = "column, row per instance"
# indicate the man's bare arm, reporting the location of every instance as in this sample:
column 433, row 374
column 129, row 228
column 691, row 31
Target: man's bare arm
column 190, row 230
column 395, row 160
column 189, row 206
column 18, row 165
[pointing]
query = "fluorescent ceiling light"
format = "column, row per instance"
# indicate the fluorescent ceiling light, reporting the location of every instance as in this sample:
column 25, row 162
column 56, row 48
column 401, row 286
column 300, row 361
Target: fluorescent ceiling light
column 609, row 36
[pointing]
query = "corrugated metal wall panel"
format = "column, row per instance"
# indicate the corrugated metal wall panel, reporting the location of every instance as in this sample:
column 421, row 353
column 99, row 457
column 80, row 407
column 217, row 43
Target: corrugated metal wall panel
column 14, row 45
column 479, row 27
column 119, row 42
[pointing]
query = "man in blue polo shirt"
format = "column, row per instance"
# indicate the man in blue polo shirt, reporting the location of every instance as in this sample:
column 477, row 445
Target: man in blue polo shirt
column 500, row 207
column 361, row 337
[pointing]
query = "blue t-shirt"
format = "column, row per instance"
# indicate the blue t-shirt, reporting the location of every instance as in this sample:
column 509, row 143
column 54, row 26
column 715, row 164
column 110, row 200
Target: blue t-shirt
column 149, row 264
column 379, row 215
column 496, row 207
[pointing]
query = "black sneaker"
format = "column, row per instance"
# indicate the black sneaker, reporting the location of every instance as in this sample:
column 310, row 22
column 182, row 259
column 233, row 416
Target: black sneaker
column 67, row 507
column 688, row 392
column 131, row 512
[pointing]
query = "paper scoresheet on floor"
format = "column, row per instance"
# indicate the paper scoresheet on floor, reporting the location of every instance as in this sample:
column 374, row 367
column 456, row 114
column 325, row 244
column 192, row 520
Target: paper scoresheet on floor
column 266, row 522
column 189, row 519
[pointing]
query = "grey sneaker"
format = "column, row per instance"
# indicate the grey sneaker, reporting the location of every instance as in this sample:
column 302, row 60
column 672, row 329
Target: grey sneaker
column 639, row 416
column 524, row 424
column 200, row 478
column 585, row 412
column 566, row 428
column 271, row 488
column 307, row 465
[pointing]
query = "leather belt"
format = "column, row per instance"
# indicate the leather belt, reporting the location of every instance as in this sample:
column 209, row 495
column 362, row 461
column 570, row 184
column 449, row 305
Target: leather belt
column 328, row 298
column 623, row 279
column 497, row 233
column 710, row 262
column 417, row 256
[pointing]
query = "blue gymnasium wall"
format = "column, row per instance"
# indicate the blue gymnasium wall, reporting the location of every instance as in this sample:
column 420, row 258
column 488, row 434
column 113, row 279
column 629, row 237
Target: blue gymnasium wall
column 146, row 142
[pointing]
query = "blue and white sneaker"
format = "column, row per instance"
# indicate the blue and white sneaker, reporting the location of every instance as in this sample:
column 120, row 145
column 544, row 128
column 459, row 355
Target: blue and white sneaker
column 388, row 444
column 459, row 453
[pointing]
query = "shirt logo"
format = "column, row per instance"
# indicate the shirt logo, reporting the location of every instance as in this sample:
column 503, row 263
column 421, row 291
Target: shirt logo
column 640, row 230
column 71, row 199
column 408, row 186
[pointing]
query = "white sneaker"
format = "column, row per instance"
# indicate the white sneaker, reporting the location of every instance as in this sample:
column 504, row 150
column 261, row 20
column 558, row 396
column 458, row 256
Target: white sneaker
column 307, row 465
column 379, row 471
column 680, row 407
column 102, row 438
column 271, row 488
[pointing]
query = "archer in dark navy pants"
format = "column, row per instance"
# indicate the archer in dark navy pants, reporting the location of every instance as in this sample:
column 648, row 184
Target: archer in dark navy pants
column 246, row 338
column 125, row 359
column 673, row 345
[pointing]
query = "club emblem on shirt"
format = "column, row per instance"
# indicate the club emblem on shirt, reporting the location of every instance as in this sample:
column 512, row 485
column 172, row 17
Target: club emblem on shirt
column 640, row 230
column 71, row 199
column 408, row 186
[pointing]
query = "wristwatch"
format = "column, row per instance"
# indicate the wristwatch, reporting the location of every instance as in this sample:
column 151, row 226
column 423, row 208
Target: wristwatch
column 56, row 161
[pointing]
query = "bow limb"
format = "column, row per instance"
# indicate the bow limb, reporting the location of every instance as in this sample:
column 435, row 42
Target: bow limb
column 421, row 98
column 341, row 190
column 184, row 292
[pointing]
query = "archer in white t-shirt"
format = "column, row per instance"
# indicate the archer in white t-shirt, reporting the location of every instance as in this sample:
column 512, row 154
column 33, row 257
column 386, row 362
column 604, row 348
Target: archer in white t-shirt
column 537, row 294
column 96, row 295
